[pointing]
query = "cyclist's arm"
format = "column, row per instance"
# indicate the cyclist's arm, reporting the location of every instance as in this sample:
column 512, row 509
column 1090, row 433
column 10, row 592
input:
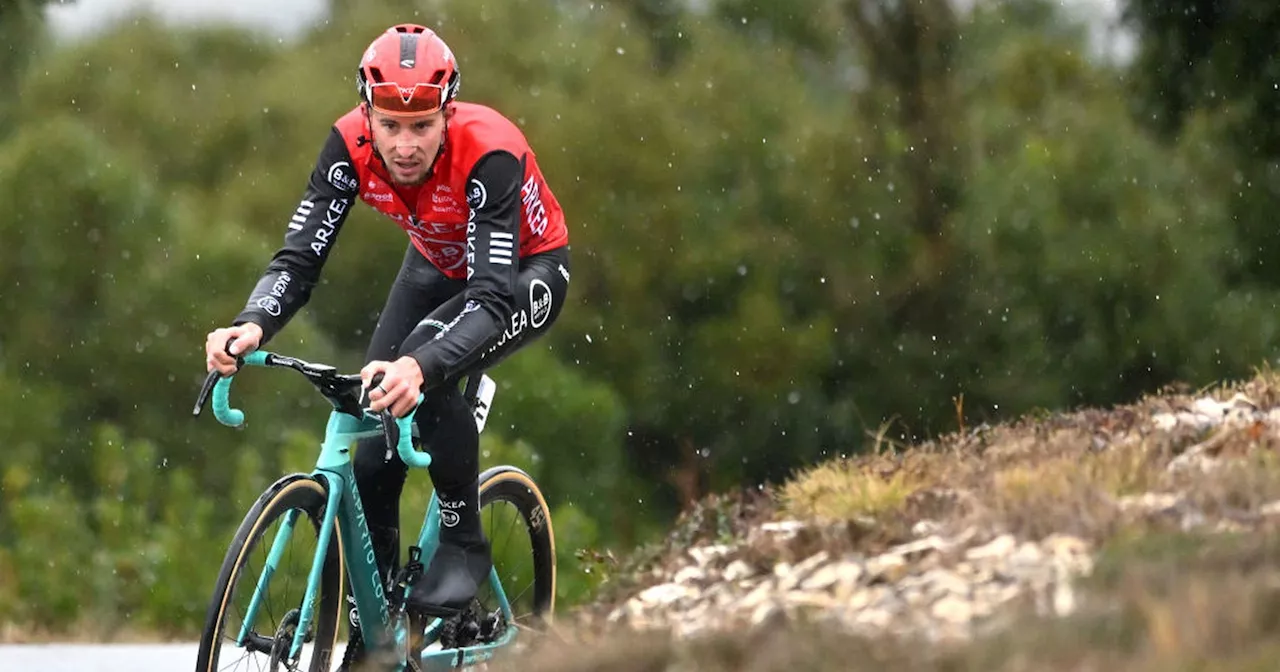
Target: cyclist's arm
column 493, row 257
column 294, row 270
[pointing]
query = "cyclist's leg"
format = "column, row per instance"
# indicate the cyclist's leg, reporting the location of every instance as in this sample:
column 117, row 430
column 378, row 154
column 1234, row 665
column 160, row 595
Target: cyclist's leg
column 449, row 430
column 418, row 289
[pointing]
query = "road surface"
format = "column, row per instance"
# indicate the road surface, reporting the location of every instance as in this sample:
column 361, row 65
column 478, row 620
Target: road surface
column 100, row 657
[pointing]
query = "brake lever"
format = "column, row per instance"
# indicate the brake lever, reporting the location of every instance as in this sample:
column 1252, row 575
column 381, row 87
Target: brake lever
column 390, row 432
column 203, row 398
column 212, row 379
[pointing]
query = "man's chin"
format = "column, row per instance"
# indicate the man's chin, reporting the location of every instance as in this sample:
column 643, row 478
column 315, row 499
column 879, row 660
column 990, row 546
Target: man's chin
column 411, row 182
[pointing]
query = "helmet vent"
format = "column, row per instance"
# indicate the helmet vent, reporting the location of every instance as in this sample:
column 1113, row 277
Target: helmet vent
column 408, row 50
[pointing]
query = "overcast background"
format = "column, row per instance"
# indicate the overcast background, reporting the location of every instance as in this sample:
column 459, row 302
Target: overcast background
column 75, row 19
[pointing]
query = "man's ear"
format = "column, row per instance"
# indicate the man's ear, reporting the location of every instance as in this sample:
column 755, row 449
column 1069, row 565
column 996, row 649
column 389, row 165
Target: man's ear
column 448, row 112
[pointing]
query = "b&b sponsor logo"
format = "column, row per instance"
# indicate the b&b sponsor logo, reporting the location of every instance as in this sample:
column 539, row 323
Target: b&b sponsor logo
column 477, row 194
column 270, row 304
column 539, row 303
column 342, row 177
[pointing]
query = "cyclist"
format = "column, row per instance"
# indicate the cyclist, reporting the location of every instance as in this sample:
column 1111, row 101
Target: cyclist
column 485, row 272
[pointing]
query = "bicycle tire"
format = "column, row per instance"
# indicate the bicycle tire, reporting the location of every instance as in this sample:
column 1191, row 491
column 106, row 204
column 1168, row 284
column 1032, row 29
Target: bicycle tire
column 298, row 491
column 514, row 486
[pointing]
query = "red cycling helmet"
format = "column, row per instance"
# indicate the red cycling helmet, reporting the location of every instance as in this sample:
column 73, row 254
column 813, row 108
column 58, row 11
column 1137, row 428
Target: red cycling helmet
column 408, row 70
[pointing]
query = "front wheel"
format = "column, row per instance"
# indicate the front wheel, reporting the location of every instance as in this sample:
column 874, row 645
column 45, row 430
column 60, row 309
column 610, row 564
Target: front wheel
column 517, row 523
column 294, row 507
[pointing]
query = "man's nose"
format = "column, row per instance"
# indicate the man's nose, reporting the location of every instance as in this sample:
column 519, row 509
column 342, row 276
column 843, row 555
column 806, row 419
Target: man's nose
column 405, row 150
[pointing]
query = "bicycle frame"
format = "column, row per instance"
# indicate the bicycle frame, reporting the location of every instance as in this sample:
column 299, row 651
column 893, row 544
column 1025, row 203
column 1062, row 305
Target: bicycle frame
column 345, row 510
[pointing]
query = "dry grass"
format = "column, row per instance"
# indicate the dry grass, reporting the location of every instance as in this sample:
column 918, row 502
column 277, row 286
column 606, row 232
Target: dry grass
column 847, row 489
column 1061, row 473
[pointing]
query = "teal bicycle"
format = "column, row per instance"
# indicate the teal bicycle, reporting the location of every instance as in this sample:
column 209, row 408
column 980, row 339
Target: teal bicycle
column 279, row 598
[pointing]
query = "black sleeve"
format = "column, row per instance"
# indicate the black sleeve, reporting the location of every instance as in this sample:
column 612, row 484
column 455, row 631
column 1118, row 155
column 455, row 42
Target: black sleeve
column 493, row 256
column 295, row 268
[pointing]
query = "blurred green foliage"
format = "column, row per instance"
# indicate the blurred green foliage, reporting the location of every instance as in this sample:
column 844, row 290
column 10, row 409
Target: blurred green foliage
column 792, row 224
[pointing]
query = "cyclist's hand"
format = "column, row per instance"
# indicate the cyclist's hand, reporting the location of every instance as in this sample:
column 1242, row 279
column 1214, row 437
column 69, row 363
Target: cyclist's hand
column 399, row 388
column 247, row 335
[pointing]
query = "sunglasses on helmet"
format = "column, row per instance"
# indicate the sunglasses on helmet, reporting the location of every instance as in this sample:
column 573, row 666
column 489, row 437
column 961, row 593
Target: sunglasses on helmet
column 391, row 98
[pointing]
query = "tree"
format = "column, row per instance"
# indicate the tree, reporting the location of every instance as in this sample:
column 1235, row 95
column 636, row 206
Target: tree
column 1200, row 58
column 21, row 29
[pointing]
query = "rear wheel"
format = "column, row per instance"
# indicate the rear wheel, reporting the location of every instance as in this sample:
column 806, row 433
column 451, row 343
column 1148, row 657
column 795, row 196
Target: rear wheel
column 267, row 640
column 517, row 523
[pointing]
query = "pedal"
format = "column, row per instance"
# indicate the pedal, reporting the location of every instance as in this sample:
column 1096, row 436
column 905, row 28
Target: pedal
column 484, row 400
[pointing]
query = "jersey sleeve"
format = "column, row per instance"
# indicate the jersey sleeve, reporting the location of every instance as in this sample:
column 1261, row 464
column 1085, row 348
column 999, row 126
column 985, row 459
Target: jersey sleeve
column 493, row 255
column 285, row 286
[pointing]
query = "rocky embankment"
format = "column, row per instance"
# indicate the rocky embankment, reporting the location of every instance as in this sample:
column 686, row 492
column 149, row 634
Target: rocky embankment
column 937, row 586
column 990, row 523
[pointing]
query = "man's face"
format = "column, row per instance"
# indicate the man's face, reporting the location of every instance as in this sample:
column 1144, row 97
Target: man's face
column 408, row 143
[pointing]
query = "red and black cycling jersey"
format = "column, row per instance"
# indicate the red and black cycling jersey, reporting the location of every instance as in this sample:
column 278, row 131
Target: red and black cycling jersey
column 484, row 206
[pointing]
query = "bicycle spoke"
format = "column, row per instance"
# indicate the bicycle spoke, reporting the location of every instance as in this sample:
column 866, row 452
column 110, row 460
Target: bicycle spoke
column 245, row 657
column 516, row 599
column 511, row 527
column 234, row 664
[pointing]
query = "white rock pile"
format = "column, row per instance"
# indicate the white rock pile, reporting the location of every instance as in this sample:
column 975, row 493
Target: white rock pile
column 937, row 587
column 1206, row 415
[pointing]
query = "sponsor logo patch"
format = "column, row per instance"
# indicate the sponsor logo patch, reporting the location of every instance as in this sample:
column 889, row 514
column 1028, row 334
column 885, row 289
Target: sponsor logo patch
column 270, row 304
column 341, row 176
column 539, row 303
column 477, row 195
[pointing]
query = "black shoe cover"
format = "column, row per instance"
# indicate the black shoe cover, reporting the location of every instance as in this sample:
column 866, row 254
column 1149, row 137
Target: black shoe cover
column 452, row 579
